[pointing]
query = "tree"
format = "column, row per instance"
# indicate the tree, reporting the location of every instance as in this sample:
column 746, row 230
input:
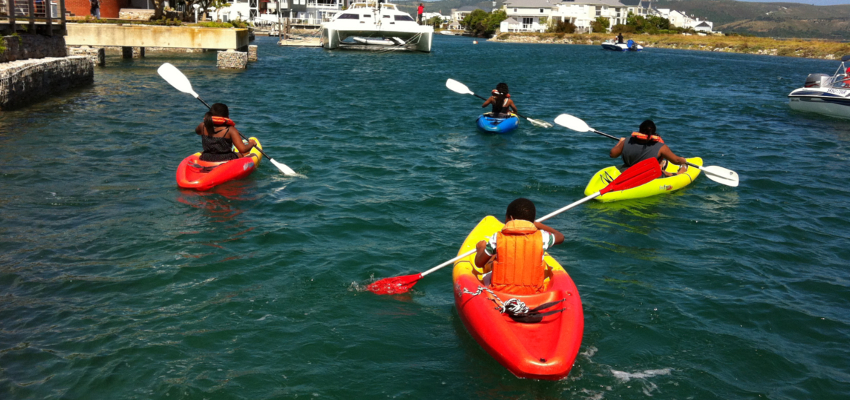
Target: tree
column 600, row 24
column 562, row 27
column 651, row 24
column 471, row 21
column 480, row 23
column 435, row 21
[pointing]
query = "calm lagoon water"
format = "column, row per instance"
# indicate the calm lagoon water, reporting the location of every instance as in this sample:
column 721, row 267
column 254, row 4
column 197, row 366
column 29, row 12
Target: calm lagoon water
column 114, row 283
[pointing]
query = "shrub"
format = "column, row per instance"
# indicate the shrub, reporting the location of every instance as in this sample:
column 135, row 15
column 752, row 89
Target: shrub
column 562, row 27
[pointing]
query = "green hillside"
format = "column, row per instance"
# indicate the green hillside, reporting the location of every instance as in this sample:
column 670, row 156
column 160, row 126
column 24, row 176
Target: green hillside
column 785, row 20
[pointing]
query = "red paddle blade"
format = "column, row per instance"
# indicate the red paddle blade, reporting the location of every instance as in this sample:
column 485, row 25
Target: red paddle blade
column 638, row 174
column 399, row 284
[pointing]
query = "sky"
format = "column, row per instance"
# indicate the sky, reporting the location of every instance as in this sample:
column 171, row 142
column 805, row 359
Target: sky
column 813, row 2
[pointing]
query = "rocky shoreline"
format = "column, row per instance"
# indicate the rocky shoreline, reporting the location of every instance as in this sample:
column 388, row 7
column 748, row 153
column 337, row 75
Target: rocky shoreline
column 731, row 44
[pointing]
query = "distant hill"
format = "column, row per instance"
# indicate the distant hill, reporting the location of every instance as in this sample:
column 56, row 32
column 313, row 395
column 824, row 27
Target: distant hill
column 785, row 20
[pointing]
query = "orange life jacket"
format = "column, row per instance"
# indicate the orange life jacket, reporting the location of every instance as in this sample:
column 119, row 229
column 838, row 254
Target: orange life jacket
column 219, row 121
column 518, row 267
column 652, row 138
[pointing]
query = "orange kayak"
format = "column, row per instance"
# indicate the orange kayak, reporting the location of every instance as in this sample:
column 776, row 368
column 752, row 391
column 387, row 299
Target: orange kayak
column 193, row 173
column 543, row 349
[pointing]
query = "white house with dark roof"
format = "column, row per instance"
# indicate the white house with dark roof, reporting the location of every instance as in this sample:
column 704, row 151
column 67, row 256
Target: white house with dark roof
column 528, row 15
column 703, row 26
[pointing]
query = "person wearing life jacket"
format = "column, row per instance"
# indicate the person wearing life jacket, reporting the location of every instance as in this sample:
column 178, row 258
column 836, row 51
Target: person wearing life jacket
column 513, row 257
column 501, row 101
column 647, row 144
column 219, row 134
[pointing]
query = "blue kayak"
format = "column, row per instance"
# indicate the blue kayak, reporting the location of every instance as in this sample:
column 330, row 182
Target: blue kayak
column 497, row 125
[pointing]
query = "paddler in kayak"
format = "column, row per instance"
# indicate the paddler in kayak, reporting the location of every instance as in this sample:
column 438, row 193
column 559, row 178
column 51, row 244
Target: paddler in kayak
column 512, row 259
column 646, row 144
column 219, row 135
column 501, row 101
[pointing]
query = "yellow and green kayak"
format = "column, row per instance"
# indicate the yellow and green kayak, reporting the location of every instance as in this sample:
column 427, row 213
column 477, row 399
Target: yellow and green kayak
column 657, row 186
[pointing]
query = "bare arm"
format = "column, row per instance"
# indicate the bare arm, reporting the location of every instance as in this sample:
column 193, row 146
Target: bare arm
column 236, row 138
column 668, row 154
column 481, row 256
column 489, row 101
column 512, row 106
column 200, row 129
column 673, row 158
column 617, row 150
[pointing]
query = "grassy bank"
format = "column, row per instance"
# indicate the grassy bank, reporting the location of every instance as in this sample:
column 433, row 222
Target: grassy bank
column 732, row 44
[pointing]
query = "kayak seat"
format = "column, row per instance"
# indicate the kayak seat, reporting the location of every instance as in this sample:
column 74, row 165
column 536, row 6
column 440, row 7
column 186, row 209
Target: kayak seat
column 200, row 168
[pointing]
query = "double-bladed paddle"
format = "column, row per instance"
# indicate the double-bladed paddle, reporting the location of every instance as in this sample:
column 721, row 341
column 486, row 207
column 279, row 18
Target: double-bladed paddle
column 180, row 82
column 715, row 173
column 639, row 174
column 458, row 87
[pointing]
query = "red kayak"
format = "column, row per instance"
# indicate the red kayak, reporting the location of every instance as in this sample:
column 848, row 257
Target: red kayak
column 193, row 173
column 538, row 345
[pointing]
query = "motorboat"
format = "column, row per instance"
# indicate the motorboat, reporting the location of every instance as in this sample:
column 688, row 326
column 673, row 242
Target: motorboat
column 616, row 46
column 825, row 94
column 375, row 25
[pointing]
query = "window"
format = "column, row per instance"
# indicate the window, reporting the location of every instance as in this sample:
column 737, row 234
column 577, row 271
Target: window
column 349, row 16
column 404, row 18
column 541, row 10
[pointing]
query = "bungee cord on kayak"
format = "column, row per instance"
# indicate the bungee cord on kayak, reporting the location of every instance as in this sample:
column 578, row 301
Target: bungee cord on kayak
column 516, row 308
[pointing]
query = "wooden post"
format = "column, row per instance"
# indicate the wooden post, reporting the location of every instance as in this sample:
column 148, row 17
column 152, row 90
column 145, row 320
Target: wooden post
column 12, row 16
column 31, row 9
column 48, row 12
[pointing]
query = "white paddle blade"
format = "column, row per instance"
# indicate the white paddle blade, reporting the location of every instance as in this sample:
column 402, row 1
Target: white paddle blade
column 283, row 168
column 176, row 78
column 537, row 122
column 570, row 122
column 458, row 87
column 721, row 175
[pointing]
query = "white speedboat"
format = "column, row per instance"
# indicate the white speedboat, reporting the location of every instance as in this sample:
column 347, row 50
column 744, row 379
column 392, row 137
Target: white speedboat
column 824, row 94
column 375, row 24
column 629, row 46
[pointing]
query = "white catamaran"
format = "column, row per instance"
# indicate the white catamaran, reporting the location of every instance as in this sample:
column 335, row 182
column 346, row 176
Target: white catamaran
column 375, row 25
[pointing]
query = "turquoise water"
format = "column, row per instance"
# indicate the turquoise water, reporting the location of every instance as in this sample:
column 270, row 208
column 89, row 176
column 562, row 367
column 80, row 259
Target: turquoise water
column 114, row 283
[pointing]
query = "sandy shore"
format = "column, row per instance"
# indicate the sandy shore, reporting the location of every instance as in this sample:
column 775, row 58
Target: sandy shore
column 733, row 44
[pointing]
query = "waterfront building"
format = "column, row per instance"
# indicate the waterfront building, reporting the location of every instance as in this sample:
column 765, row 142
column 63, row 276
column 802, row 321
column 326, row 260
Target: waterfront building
column 427, row 16
column 527, row 15
column 583, row 12
column 682, row 20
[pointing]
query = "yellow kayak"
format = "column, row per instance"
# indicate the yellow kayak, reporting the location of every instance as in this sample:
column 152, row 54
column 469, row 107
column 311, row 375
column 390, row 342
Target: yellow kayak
column 657, row 186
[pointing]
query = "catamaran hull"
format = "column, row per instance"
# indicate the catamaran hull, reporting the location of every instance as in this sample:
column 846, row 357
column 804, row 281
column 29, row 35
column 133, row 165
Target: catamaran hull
column 418, row 41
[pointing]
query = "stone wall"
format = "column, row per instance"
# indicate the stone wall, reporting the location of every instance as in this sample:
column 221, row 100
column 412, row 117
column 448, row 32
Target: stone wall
column 23, row 46
column 27, row 81
column 232, row 60
column 97, row 56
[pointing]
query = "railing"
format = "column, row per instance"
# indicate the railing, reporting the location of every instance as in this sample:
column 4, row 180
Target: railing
column 323, row 4
column 34, row 12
